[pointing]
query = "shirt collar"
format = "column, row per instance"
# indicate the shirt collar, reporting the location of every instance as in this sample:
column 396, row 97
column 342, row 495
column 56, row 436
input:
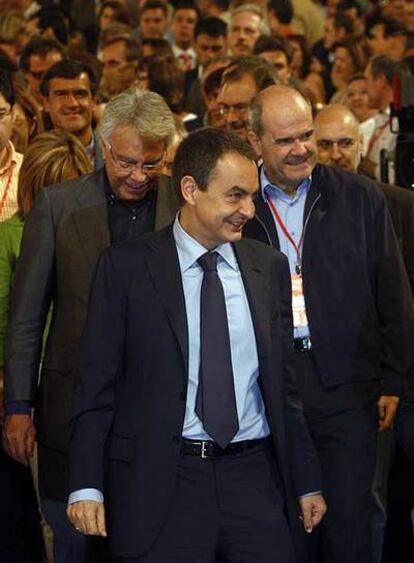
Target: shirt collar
column 190, row 250
column 278, row 193
column 11, row 157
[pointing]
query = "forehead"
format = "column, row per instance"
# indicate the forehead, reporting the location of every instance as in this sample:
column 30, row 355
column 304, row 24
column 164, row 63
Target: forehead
column 357, row 86
column 335, row 128
column 115, row 50
column 153, row 13
column 245, row 19
column 126, row 141
column 79, row 82
column 204, row 39
column 284, row 116
column 39, row 63
column 241, row 91
column 233, row 169
column 185, row 14
column 275, row 57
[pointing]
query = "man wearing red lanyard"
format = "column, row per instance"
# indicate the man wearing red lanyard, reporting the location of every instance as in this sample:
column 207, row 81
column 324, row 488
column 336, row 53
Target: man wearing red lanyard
column 352, row 308
column 10, row 160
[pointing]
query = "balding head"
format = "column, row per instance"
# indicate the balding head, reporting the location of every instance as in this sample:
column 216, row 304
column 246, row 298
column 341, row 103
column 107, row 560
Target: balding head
column 283, row 135
column 338, row 139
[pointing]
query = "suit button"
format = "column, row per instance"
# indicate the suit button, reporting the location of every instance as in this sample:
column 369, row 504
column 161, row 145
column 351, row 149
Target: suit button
column 176, row 439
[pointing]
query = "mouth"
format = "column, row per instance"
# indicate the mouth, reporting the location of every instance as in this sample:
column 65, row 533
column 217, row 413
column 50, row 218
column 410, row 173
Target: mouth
column 236, row 226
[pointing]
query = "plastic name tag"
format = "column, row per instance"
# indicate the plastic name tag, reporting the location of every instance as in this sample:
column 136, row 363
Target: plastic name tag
column 298, row 302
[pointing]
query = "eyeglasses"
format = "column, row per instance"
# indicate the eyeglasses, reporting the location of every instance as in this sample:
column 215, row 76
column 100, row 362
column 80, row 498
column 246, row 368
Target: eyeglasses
column 5, row 113
column 238, row 109
column 145, row 167
column 342, row 143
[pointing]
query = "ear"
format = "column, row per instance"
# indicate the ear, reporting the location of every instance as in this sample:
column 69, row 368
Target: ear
column 189, row 189
column 255, row 142
column 46, row 105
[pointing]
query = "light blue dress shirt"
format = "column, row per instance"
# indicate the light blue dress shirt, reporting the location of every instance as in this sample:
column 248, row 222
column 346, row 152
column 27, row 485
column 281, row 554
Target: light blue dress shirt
column 291, row 211
column 250, row 407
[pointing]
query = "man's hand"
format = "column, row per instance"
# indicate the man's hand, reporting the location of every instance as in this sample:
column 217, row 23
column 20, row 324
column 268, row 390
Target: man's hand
column 88, row 517
column 313, row 508
column 387, row 408
column 19, row 437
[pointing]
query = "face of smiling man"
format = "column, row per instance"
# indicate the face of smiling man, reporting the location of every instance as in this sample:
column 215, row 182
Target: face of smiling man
column 132, row 163
column 286, row 141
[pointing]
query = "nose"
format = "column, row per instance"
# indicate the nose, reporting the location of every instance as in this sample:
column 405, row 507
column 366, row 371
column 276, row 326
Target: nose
column 72, row 99
column 247, row 209
column 138, row 174
column 335, row 152
column 299, row 148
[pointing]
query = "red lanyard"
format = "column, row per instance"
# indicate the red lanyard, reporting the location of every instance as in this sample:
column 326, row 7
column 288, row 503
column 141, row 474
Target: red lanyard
column 376, row 135
column 298, row 246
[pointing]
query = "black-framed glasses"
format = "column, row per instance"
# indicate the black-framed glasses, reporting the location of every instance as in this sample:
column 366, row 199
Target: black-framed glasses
column 146, row 167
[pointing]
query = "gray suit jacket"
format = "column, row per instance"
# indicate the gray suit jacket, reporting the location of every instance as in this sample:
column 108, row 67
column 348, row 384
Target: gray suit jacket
column 62, row 240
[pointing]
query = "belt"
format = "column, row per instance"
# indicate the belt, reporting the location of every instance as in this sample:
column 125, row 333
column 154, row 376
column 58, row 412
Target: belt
column 303, row 344
column 206, row 448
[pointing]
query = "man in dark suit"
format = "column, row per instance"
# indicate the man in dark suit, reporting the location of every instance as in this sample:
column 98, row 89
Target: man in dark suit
column 352, row 307
column 339, row 143
column 190, row 394
column 69, row 226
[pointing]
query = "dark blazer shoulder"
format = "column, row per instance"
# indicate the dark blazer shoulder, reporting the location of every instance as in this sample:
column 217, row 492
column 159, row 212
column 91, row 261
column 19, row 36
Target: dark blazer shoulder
column 85, row 190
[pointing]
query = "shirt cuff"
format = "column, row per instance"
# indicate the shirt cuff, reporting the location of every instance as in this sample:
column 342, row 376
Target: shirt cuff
column 17, row 407
column 85, row 494
column 313, row 493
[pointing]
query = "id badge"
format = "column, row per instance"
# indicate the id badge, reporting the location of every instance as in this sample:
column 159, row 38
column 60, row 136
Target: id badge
column 298, row 302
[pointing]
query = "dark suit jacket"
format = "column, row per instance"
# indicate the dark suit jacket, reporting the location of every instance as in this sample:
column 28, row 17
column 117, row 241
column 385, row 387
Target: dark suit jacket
column 62, row 240
column 358, row 299
column 131, row 390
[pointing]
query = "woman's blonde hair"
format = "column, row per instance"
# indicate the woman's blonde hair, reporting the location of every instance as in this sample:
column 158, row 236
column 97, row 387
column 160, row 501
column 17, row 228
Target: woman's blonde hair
column 51, row 158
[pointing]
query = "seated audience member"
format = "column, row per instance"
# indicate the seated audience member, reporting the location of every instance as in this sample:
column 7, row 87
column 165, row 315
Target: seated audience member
column 156, row 48
column 387, row 38
column 10, row 160
column 350, row 55
column 356, row 98
column 27, row 120
column 279, row 17
column 13, row 35
column 112, row 11
column 183, row 22
column 115, row 29
column 153, row 20
column 211, row 83
column 120, row 52
column 210, row 41
column 69, row 89
column 247, row 23
column 36, row 58
column 51, row 158
column 242, row 80
column 166, row 77
column 276, row 51
column 354, row 11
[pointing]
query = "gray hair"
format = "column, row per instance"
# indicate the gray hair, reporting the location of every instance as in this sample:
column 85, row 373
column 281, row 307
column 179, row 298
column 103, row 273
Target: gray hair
column 252, row 9
column 144, row 110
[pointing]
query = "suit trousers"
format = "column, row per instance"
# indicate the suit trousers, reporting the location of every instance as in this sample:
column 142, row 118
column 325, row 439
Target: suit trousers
column 343, row 425
column 224, row 509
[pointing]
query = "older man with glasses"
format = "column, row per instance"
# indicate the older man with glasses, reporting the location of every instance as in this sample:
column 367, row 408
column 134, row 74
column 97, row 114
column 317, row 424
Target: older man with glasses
column 63, row 237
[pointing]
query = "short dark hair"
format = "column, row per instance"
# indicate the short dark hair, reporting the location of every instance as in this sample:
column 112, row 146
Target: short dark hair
column 6, row 87
column 69, row 69
column 186, row 5
column 272, row 43
column 384, row 65
column 198, row 154
column 154, row 5
column 133, row 47
column 345, row 5
column 55, row 18
column 283, row 10
column 341, row 20
column 211, row 26
column 263, row 73
column 41, row 47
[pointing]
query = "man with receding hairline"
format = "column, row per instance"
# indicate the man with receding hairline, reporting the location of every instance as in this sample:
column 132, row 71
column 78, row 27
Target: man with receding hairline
column 352, row 309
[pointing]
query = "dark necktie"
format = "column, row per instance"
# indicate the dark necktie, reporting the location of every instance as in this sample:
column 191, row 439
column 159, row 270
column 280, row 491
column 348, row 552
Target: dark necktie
column 216, row 400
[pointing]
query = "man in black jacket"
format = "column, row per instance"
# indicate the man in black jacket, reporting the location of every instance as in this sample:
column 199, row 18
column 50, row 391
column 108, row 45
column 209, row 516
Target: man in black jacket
column 352, row 309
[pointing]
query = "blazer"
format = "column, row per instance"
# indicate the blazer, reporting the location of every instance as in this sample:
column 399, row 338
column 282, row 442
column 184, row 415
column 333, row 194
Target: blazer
column 357, row 295
column 62, row 239
column 130, row 394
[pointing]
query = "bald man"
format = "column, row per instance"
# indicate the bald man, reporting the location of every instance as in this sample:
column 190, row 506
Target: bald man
column 352, row 309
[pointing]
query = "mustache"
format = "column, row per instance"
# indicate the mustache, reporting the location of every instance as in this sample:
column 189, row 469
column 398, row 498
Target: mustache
column 294, row 160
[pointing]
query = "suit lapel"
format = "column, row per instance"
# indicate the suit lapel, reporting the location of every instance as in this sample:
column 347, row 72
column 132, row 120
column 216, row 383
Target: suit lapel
column 167, row 203
column 256, row 285
column 91, row 218
column 163, row 266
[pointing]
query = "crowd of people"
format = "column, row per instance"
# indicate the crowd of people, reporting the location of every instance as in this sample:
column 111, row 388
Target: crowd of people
column 207, row 139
